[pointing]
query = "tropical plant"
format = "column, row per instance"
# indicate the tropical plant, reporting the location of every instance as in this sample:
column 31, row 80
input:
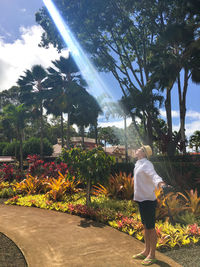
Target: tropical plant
column 119, row 186
column 168, row 206
column 33, row 93
column 186, row 217
column 30, row 185
column 60, row 186
column 7, row 192
column 192, row 201
column 10, row 172
column 100, row 190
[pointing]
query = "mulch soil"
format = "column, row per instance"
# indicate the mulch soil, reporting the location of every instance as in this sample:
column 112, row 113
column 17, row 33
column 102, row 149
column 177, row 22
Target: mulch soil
column 10, row 254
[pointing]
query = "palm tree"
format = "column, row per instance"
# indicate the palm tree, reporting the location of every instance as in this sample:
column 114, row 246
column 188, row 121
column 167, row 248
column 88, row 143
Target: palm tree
column 63, row 79
column 195, row 140
column 85, row 110
column 56, row 104
column 33, row 93
column 17, row 116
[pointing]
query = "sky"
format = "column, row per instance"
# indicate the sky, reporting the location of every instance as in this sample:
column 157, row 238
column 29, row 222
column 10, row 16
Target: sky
column 19, row 50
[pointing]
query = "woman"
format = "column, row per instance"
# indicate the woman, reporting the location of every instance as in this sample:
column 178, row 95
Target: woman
column 145, row 181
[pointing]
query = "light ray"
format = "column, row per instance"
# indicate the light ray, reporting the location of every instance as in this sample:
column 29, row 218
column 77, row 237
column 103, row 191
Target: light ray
column 96, row 85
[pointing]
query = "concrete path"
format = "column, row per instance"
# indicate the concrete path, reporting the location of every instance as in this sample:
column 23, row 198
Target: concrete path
column 52, row 239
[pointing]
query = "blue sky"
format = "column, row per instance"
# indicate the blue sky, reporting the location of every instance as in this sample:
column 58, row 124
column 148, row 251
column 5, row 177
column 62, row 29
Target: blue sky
column 19, row 38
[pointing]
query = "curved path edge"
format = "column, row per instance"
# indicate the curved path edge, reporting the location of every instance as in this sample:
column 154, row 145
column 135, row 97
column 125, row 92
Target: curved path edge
column 51, row 239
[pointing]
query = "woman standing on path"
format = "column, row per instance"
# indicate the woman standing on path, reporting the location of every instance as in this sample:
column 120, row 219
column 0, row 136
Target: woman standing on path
column 145, row 181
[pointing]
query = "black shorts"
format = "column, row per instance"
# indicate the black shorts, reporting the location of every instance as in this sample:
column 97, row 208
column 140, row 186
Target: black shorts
column 147, row 210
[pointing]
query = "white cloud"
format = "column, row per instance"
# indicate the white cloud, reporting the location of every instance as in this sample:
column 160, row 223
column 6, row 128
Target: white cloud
column 192, row 121
column 22, row 54
column 192, row 127
column 175, row 114
column 23, row 10
column 193, row 114
column 118, row 123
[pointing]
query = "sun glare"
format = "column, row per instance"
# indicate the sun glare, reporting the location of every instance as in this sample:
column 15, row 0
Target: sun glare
column 96, row 86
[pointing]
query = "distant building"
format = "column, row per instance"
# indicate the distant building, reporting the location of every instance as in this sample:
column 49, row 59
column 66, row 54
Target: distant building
column 89, row 143
column 117, row 151
column 7, row 159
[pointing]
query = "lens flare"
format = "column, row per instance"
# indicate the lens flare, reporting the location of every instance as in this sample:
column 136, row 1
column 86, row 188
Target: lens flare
column 96, row 85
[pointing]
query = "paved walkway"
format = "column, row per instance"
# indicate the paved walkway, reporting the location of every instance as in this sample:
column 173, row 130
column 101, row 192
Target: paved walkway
column 52, row 239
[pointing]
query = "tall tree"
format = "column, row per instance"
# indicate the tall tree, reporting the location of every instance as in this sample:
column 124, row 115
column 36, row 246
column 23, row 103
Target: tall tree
column 33, row 93
column 63, row 79
column 195, row 141
column 10, row 96
column 17, row 116
column 85, row 111
column 123, row 37
column 115, row 36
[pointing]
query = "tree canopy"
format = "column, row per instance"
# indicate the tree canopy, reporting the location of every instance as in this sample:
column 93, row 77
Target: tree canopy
column 145, row 44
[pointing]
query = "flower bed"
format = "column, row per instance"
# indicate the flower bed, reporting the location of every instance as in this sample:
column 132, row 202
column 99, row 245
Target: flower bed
column 169, row 236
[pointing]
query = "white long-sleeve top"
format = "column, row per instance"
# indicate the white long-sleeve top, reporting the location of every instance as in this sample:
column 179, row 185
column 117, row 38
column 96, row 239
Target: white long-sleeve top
column 145, row 180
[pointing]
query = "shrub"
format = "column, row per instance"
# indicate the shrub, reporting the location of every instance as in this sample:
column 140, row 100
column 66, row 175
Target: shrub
column 49, row 169
column 122, row 167
column 7, row 193
column 2, row 146
column 11, row 149
column 35, row 165
column 32, row 146
column 181, row 175
column 10, row 172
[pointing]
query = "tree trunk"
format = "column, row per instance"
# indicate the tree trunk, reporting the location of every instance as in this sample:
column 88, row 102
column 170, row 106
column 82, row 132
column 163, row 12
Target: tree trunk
column 20, row 150
column 168, row 109
column 41, row 131
column 68, row 130
column 82, row 135
column 182, row 106
column 171, row 146
column 88, row 199
column 136, row 127
column 149, row 132
column 62, row 132
column 125, row 139
column 96, row 133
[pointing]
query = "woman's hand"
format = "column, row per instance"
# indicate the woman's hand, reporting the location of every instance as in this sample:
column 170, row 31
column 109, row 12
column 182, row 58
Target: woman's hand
column 162, row 184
